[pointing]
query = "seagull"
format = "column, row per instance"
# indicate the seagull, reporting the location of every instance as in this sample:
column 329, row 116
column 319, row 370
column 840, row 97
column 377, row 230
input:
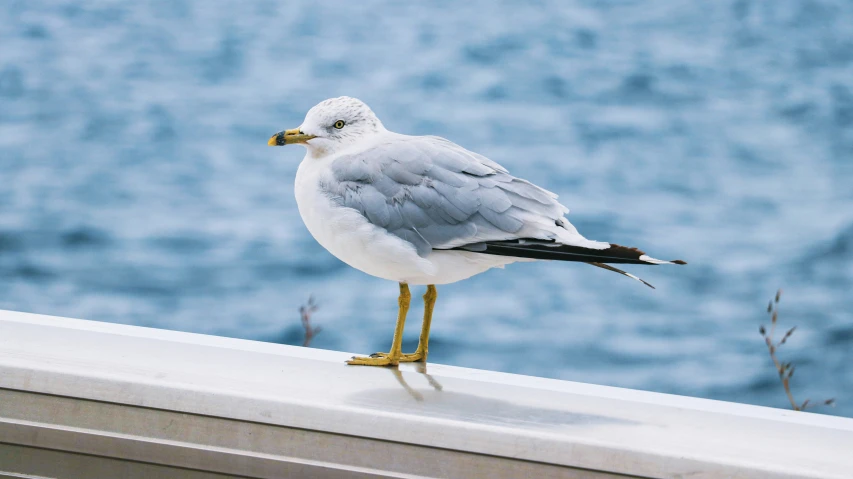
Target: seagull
column 422, row 210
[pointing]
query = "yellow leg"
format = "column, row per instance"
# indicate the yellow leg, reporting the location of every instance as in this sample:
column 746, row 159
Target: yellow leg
column 421, row 352
column 392, row 358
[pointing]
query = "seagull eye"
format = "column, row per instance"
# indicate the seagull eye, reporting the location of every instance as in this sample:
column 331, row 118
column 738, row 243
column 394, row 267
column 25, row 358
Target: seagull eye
column 339, row 124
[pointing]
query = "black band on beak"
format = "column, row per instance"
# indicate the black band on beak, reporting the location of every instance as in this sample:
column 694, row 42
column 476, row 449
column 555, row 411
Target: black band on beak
column 279, row 139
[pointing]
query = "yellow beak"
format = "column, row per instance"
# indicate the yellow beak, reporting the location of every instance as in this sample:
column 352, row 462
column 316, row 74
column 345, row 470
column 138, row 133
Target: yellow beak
column 289, row 137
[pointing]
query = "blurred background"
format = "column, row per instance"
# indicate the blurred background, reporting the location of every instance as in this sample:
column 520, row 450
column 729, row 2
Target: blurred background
column 136, row 185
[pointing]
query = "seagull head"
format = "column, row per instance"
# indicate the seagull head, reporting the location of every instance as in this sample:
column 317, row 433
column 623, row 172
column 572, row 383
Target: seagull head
column 332, row 125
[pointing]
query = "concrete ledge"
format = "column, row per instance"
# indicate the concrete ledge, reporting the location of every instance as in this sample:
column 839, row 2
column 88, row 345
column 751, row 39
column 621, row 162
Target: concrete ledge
column 87, row 399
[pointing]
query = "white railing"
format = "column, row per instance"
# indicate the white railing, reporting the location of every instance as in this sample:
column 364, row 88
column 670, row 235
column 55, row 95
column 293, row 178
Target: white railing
column 88, row 399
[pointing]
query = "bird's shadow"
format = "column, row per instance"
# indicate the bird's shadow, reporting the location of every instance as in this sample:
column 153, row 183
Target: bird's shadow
column 438, row 402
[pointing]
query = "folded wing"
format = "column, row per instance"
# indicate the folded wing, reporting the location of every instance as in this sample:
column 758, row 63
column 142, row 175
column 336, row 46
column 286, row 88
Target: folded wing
column 437, row 195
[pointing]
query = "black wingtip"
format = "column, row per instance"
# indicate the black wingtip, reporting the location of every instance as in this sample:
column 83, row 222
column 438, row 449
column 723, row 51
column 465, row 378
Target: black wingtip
column 678, row 261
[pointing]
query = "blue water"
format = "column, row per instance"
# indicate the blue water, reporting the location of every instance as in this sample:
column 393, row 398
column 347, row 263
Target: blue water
column 136, row 185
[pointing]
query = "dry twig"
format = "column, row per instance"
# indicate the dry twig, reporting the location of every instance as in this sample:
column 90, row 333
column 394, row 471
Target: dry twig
column 785, row 370
column 305, row 312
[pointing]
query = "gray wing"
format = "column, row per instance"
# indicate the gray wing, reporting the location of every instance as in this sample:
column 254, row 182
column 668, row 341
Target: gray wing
column 438, row 195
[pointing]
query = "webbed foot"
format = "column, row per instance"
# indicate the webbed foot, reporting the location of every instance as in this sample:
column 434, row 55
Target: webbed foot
column 404, row 358
column 374, row 360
